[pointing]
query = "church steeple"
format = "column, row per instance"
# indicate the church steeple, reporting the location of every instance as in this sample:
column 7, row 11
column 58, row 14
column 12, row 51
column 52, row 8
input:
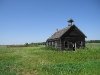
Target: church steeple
column 70, row 22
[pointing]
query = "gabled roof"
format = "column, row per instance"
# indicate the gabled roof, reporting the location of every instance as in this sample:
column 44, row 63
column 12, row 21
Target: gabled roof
column 59, row 33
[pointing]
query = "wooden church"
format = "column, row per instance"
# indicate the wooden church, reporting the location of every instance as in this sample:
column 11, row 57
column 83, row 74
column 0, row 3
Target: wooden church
column 68, row 38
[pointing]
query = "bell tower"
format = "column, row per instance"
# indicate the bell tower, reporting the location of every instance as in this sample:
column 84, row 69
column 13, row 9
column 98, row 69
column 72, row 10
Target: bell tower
column 70, row 22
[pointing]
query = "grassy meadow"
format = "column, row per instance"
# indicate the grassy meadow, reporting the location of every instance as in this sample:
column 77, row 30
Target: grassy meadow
column 46, row 61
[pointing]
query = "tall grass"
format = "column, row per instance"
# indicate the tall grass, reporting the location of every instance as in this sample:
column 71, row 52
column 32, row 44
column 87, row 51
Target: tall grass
column 47, row 61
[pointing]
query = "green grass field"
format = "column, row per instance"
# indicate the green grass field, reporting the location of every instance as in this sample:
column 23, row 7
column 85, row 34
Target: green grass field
column 43, row 61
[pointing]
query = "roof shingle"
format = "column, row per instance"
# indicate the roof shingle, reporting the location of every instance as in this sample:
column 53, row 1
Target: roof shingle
column 59, row 33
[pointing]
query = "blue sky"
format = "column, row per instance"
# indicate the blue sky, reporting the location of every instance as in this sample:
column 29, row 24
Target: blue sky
column 29, row 21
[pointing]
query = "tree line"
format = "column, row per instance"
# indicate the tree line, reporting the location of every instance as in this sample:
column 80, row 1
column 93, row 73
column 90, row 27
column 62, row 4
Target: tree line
column 44, row 43
column 93, row 41
column 28, row 44
column 35, row 44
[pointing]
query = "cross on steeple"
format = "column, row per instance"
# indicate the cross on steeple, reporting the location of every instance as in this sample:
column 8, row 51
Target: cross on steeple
column 70, row 22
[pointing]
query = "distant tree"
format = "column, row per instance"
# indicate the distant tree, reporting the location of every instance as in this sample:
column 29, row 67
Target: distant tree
column 31, row 43
column 26, row 44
